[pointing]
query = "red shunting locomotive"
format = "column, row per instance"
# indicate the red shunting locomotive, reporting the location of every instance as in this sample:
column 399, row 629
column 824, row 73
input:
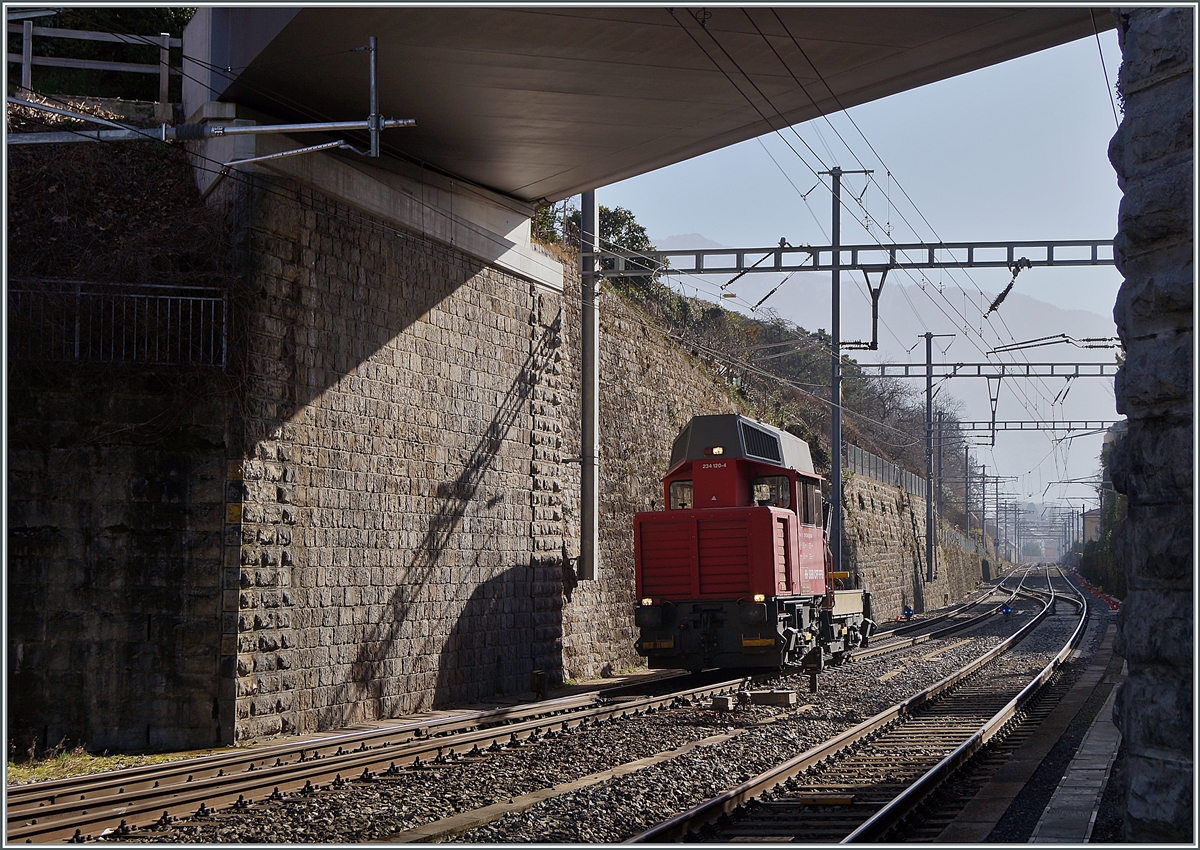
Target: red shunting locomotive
column 734, row 572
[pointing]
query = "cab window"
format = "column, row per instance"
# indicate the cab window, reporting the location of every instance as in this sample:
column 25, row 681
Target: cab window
column 810, row 503
column 773, row 490
column 681, row 495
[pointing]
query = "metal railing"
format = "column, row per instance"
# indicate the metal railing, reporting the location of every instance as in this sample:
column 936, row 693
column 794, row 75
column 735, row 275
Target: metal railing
column 862, row 462
column 62, row 320
column 27, row 60
column 953, row 538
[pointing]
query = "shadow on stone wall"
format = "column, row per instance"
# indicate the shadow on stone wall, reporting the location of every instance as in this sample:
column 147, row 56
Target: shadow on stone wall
column 369, row 671
column 115, row 467
column 331, row 287
column 115, row 478
column 918, row 564
column 498, row 640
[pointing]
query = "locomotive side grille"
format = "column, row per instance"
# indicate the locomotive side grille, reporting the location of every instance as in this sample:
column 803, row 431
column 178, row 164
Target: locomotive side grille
column 781, row 553
column 679, row 449
column 724, row 557
column 761, row 443
column 666, row 558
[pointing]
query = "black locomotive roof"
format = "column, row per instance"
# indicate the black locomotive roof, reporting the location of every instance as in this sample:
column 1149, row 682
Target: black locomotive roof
column 739, row 436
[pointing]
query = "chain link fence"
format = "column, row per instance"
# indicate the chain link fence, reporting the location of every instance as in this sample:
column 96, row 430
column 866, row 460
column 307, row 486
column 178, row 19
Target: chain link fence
column 953, row 538
column 862, row 462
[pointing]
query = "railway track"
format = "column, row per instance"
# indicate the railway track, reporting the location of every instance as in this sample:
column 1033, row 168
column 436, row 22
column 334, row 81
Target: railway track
column 956, row 620
column 119, row 802
column 860, row 785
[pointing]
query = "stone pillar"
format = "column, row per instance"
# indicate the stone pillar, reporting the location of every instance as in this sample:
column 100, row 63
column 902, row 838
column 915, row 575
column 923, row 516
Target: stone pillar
column 1153, row 157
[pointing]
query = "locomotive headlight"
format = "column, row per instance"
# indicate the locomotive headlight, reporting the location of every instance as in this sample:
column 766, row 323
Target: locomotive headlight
column 760, row 597
column 647, row 616
column 753, row 614
column 647, row 601
column 715, row 450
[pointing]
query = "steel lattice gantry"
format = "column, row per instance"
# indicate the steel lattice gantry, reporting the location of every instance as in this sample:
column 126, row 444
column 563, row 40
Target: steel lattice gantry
column 868, row 258
column 879, row 258
column 1029, row 425
column 989, row 370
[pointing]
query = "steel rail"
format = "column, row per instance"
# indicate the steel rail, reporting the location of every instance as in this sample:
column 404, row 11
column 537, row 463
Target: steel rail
column 678, row 826
column 878, row 825
column 40, row 792
column 204, row 785
column 913, row 626
column 34, row 795
column 896, row 643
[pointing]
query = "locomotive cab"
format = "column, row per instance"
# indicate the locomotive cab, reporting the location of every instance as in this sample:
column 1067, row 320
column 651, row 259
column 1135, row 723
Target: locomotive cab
column 733, row 572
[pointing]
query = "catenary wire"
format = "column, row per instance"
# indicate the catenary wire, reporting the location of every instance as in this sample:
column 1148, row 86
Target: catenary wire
column 966, row 324
column 1107, row 85
column 287, row 101
column 799, row 156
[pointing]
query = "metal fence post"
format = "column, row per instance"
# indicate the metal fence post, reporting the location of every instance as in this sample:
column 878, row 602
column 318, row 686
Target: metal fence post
column 589, row 471
column 164, row 66
column 27, row 55
column 78, row 309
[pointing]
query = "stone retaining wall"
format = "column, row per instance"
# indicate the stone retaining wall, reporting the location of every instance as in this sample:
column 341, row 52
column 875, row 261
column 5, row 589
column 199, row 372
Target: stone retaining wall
column 885, row 539
column 398, row 476
column 374, row 513
column 115, row 504
column 649, row 389
column 1152, row 464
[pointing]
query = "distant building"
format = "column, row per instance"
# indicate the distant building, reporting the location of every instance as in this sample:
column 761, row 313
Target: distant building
column 1091, row 525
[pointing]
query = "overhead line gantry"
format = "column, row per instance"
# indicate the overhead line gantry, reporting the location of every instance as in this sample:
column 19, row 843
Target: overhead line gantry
column 866, row 258
column 1029, row 425
column 989, row 370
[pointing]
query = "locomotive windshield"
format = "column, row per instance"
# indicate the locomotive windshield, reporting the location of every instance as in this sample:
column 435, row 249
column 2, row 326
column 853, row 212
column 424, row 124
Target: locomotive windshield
column 681, row 495
column 773, row 490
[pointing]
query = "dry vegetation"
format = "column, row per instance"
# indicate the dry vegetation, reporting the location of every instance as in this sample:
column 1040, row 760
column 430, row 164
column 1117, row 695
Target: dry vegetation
column 61, row 762
column 107, row 212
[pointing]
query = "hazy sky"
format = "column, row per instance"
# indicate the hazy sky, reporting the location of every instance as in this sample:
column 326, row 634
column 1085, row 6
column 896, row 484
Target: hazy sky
column 1015, row 151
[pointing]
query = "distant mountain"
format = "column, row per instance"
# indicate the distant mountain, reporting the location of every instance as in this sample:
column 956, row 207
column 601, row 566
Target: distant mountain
column 907, row 311
column 685, row 241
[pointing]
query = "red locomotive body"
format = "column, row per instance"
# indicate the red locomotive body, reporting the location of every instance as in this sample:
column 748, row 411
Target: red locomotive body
column 733, row 573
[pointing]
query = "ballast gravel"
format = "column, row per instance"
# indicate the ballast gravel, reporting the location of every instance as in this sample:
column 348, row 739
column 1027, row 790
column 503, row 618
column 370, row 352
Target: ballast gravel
column 611, row 810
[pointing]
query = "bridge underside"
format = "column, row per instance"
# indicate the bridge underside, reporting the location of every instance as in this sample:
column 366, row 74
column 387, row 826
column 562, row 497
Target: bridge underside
column 542, row 103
